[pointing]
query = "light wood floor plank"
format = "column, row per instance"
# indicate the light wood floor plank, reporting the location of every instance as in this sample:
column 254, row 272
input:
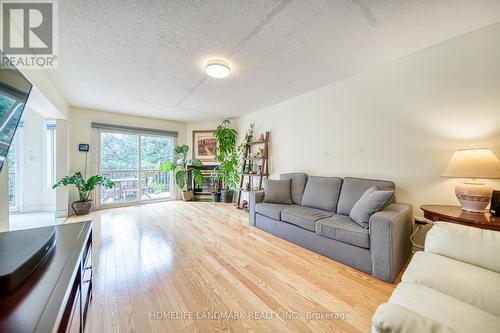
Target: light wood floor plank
column 196, row 260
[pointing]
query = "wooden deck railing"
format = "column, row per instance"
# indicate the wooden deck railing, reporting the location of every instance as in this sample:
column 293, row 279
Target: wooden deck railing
column 153, row 182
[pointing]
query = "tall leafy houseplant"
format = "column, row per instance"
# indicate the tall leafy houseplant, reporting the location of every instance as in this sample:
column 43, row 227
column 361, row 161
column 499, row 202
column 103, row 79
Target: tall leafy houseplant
column 181, row 165
column 85, row 188
column 227, row 170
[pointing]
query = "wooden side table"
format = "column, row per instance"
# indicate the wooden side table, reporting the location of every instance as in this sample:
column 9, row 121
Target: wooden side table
column 455, row 214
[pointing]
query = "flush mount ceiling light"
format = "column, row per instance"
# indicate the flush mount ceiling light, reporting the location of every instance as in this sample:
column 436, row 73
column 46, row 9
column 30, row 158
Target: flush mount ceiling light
column 217, row 69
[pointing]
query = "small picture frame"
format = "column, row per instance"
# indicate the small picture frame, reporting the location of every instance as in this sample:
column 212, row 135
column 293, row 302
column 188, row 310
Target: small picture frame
column 204, row 145
column 83, row 147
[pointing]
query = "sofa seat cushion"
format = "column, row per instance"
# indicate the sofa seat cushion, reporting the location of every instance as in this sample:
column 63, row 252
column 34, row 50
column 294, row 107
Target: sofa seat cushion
column 471, row 284
column 449, row 311
column 322, row 193
column 271, row 210
column 343, row 229
column 304, row 217
column 354, row 188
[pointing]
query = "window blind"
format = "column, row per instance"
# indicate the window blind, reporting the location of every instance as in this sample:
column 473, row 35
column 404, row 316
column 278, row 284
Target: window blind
column 142, row 130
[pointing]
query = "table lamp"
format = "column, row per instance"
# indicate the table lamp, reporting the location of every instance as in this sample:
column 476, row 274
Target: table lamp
column 473, row 163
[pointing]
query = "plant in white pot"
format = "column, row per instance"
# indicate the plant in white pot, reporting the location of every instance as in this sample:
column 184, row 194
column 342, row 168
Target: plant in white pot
column 181, row 165
column 85, row 188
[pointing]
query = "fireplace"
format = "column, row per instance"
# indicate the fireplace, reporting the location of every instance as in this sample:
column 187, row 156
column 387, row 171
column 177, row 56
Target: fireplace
column 209, row 184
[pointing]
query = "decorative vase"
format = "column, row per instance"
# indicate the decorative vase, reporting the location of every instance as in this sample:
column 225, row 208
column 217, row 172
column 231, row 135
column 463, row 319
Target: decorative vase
column 215, row 196
column 82, row 207
column 226, row 196
column 187, row 195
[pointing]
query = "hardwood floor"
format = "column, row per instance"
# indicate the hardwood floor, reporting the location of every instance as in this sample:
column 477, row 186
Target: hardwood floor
column 168, row 266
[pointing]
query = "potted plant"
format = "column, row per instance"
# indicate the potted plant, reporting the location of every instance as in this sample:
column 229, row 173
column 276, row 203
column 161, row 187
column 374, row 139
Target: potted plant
column 84, row 187
column 227, row 170
column 181, row 165
column 215, row 195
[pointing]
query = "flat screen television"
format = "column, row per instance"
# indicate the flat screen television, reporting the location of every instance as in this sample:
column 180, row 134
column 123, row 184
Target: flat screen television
column 14, row 92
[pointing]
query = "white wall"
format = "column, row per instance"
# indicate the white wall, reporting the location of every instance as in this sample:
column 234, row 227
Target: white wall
column 45, row 96
column 401, row 121
column 80, row 131
column 32, row 156
column 36, row 196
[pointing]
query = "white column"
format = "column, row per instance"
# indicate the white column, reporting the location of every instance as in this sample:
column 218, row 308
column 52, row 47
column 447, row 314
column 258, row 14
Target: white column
column 62, row 161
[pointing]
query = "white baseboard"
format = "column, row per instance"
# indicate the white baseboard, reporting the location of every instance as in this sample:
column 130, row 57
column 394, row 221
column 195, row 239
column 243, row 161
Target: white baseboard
column 32, row 209
column 61, row 213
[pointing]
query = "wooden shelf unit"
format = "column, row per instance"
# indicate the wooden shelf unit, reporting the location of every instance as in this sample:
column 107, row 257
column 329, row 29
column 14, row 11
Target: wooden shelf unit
column 253, row 158
column 264, row 162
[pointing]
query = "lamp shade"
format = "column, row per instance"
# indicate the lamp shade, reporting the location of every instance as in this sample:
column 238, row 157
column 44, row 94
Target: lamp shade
column 473, row 163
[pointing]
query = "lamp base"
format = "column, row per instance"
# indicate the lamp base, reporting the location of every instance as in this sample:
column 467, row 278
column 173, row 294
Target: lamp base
column 473, row 196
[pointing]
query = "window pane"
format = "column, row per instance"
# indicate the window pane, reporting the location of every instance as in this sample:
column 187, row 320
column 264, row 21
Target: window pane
column 156, row 185
column 119, row 161
column 51, row 156
column 154, row 150
column 11, row 157
column 119, row 151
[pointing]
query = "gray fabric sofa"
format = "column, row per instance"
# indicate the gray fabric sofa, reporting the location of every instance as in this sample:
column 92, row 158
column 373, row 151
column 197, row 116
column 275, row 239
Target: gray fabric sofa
column 319, row 220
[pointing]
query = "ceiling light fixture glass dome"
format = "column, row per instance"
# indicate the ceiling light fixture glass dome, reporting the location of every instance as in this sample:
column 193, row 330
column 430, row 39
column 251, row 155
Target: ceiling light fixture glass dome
column 217, row 69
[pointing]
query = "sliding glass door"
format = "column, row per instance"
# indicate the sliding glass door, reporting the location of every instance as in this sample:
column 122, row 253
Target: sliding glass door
column 155, row 183
column 132, row 161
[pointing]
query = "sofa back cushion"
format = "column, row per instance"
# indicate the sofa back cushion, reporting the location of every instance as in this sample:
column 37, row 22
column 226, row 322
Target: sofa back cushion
column 354, row 188
column 277, row 191
column 298, row 185
column 322, row 193
column 472, row 245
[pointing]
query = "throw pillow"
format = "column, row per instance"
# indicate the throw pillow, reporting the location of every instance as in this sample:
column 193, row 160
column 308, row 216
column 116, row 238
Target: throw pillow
column 371, row 201
column 277, row 191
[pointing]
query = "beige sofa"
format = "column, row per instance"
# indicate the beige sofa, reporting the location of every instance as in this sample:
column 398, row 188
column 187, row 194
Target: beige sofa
column 452, row 286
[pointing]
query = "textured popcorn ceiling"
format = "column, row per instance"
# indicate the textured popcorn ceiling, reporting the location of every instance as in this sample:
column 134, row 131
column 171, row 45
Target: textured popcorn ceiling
column 147, row 57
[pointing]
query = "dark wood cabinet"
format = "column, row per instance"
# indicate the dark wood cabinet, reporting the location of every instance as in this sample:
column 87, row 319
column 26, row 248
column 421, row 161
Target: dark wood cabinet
column 86, row 288
column 73, row 311
column 57, row 296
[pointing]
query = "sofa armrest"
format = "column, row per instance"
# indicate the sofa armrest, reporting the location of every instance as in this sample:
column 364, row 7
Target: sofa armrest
column 394, row 318
column 253, row 199
column 390, row 244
